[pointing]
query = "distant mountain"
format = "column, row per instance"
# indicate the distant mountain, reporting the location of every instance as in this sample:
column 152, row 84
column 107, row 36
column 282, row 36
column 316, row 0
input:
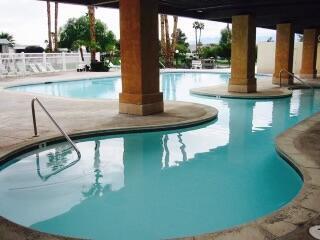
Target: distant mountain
column 210, row 40
column 207, row 40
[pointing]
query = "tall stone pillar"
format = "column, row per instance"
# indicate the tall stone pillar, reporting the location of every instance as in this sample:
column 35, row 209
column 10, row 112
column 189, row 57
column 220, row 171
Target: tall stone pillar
column 309, row 53
column 243, row 55
column 139, row 58
column 284, row 53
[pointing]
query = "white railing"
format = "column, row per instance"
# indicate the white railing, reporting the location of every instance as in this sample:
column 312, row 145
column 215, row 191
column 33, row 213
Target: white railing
column 22, row 64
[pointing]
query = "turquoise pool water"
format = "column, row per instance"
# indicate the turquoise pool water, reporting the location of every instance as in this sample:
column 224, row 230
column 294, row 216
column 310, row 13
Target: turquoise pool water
column 163, row 184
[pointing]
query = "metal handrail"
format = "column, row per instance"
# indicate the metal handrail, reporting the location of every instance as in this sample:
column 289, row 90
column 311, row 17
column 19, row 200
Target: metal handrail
column 294, row 76
column 54, row 122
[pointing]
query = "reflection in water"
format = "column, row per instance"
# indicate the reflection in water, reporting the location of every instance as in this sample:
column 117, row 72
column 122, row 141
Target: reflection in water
column 183, row 147
column 262, row 115
column 96, row 188
column 57, row 161
column 173, row 157
column 157, row 185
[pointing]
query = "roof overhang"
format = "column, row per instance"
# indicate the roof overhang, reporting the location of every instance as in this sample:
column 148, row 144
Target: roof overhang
column 302, row 13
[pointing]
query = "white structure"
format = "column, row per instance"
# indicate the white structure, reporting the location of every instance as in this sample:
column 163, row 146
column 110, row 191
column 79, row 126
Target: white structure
column 21, row 64
column 4, row 45
column 266, row 57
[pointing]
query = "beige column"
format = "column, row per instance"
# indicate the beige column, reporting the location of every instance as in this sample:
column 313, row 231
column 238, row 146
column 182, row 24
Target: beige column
column 284, row 53
column 309, row 53
column 243, row 55
column 139, row 58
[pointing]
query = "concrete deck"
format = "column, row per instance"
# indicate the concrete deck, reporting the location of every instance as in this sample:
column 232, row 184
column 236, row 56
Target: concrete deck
column 265, row 90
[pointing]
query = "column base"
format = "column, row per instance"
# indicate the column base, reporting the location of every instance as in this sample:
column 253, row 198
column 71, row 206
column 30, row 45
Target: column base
column 141, row 110
column 251, row 88
column 284, row 81
column 308, row 75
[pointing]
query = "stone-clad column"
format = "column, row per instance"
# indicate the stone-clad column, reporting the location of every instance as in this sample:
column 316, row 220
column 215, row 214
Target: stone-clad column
column 284, row 53
column 309, row 53
column 243, row 55
column 139, row 57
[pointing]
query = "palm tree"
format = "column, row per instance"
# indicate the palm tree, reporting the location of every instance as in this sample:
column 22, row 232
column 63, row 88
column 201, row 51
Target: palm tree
column 56, row 5
column 7, row 36
column 49, row 26
column 92, row 21
column 196, row 27
column 201, row 27
column 175, row 33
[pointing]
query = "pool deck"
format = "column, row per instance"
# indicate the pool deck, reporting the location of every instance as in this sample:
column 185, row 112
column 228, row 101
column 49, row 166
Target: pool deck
column 265, row 91
column 299, row 145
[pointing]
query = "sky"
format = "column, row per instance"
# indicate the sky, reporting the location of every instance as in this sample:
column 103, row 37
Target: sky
column 26, row 20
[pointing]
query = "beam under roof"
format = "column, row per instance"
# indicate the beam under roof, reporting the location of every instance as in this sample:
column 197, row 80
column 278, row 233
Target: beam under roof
column 302, row 13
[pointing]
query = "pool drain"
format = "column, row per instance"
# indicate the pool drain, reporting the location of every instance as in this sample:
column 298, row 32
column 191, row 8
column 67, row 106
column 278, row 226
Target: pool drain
column 315, row 231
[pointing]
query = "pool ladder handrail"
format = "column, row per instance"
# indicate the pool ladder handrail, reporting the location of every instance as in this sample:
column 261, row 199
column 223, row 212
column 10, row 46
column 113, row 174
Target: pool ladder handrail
column 294, row 76
column 162, row 65
column 34, row 100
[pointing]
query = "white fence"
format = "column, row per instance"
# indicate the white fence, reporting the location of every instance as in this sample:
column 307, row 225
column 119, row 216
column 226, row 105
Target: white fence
column 21, row 64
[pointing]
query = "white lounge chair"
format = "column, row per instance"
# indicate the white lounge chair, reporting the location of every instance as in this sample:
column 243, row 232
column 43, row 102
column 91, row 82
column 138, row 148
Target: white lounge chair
column 82, row 67
column 196, row 64
column 111, row 65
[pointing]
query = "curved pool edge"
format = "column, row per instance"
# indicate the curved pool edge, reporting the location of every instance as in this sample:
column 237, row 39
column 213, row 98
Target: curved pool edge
column 177, row 109
column 280, row 224
column 267, row 91
column 12, row 231
column 295, row 218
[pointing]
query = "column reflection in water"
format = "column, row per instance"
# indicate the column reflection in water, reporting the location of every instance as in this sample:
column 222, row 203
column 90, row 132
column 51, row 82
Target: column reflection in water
column 307, row 101
column 254, row 163
column 169, row 82
column 240, row 128
column 281, row 115
column 96, row 188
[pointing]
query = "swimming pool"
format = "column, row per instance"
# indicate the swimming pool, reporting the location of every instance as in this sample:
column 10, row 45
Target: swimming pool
column 160, row 184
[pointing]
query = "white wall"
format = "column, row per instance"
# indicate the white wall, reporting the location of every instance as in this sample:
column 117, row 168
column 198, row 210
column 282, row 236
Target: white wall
column 266, row 57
